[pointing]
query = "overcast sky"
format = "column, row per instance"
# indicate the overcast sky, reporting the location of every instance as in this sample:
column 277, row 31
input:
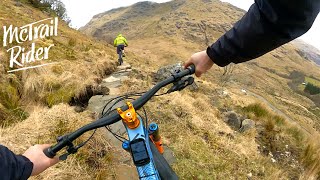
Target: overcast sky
column 81, row 13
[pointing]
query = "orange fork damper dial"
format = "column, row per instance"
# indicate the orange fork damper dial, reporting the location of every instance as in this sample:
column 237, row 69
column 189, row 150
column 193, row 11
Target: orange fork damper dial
column 129, row 117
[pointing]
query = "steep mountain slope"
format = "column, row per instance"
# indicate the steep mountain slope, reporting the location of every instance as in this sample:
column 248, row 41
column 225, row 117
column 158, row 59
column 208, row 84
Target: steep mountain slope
column 79, row 62
column 176, row 18
column 161, row 34
column 25, row 96
column 173, row 31
column 309, row 52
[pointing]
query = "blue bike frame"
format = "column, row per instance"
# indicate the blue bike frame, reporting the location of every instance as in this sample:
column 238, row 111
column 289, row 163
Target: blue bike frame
column 148, row 171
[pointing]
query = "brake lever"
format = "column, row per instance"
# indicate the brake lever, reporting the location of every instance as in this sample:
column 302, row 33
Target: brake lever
column 181, row 84
column 64, row 156
column 71, row 149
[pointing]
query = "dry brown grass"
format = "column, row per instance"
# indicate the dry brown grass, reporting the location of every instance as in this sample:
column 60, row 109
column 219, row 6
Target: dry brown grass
column 311, row 158
column 201, row 141
column 44, row 125
column 205, row 147
column 80, row 62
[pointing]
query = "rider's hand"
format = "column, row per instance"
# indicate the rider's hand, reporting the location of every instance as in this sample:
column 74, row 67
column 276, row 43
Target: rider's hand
column 40, row 161
column 201, row 61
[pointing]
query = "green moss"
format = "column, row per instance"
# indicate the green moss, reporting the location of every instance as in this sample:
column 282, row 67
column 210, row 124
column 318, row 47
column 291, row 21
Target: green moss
column 20, row 113
column 57, row 69
column 70, row 54
column 3, row 113
column 86, row 48
column 9, row 96
column 72, row 42
column 9, row 117
column 52, row 85
column 62, row 95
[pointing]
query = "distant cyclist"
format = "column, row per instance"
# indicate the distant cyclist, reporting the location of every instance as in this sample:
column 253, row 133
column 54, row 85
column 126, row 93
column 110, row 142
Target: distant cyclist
column 120, row 42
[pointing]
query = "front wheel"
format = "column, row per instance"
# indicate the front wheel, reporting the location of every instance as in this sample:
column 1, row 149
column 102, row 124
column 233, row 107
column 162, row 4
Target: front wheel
column 164, row 169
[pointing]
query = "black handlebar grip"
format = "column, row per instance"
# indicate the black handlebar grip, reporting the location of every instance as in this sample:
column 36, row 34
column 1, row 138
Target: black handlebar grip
column 48, row 152
column 192, row 68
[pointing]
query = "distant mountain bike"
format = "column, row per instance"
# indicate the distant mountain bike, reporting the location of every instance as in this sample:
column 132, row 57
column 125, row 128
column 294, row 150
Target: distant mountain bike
column 144, row 143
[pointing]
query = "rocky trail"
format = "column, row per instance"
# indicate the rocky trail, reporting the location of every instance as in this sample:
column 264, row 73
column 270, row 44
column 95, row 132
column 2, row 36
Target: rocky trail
column 97, row 104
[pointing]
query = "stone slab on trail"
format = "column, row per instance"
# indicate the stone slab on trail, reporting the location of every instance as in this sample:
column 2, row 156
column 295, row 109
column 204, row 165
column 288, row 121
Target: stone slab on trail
column 124, row 66
column 96, row 104
column 111, row 82
column 122, row 74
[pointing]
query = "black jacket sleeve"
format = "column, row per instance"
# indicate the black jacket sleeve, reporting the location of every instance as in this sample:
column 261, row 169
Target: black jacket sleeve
column 14, row 167
column 267, row 25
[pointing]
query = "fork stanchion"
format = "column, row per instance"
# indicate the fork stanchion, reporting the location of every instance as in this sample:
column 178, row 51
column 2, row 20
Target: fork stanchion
column 155, row 137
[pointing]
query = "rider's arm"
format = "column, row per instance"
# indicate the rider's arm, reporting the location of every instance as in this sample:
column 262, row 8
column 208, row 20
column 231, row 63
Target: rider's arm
column 267, row 25
column 125, row 41
column 14, row 166
column 115, row 42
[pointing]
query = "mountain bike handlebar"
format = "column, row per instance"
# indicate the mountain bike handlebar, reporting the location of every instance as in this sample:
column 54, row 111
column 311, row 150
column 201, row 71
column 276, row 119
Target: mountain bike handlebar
column 115, row 117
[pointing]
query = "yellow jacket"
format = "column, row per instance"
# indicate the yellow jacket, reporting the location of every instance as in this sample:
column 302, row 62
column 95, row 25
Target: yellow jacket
column 120, row 40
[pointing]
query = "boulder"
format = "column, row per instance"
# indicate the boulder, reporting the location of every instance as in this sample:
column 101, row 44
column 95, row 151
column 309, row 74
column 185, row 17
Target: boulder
column 79, row 109
column 18, row 4
column 166, row 71
column 246, row 125
column 101, row 89
column 232, row 119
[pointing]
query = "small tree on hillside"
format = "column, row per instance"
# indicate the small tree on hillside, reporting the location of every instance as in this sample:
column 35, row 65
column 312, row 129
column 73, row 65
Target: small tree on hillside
column 312, row 89
column 52, row 6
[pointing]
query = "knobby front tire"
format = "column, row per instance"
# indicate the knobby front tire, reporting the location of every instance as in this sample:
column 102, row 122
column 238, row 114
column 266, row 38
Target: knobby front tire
column 164, row 169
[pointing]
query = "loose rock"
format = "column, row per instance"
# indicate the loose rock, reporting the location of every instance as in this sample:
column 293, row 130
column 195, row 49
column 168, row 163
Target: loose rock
column 166, row 71
column 232, row 119
column 246, row 125
column 79, row 109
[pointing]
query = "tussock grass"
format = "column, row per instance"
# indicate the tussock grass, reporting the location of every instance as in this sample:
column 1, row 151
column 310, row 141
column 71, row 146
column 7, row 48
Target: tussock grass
column 80, row 62
column 190, row 126
column 303, row 149
column 257, row 109
column 44, row 125
column 74, row 71
column 311, row 159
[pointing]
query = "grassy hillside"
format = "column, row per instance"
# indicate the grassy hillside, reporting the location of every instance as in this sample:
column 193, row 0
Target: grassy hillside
column 34, row 104
column 177, row 29
column 170, row 32
column 30, row 101
column 80, row 63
